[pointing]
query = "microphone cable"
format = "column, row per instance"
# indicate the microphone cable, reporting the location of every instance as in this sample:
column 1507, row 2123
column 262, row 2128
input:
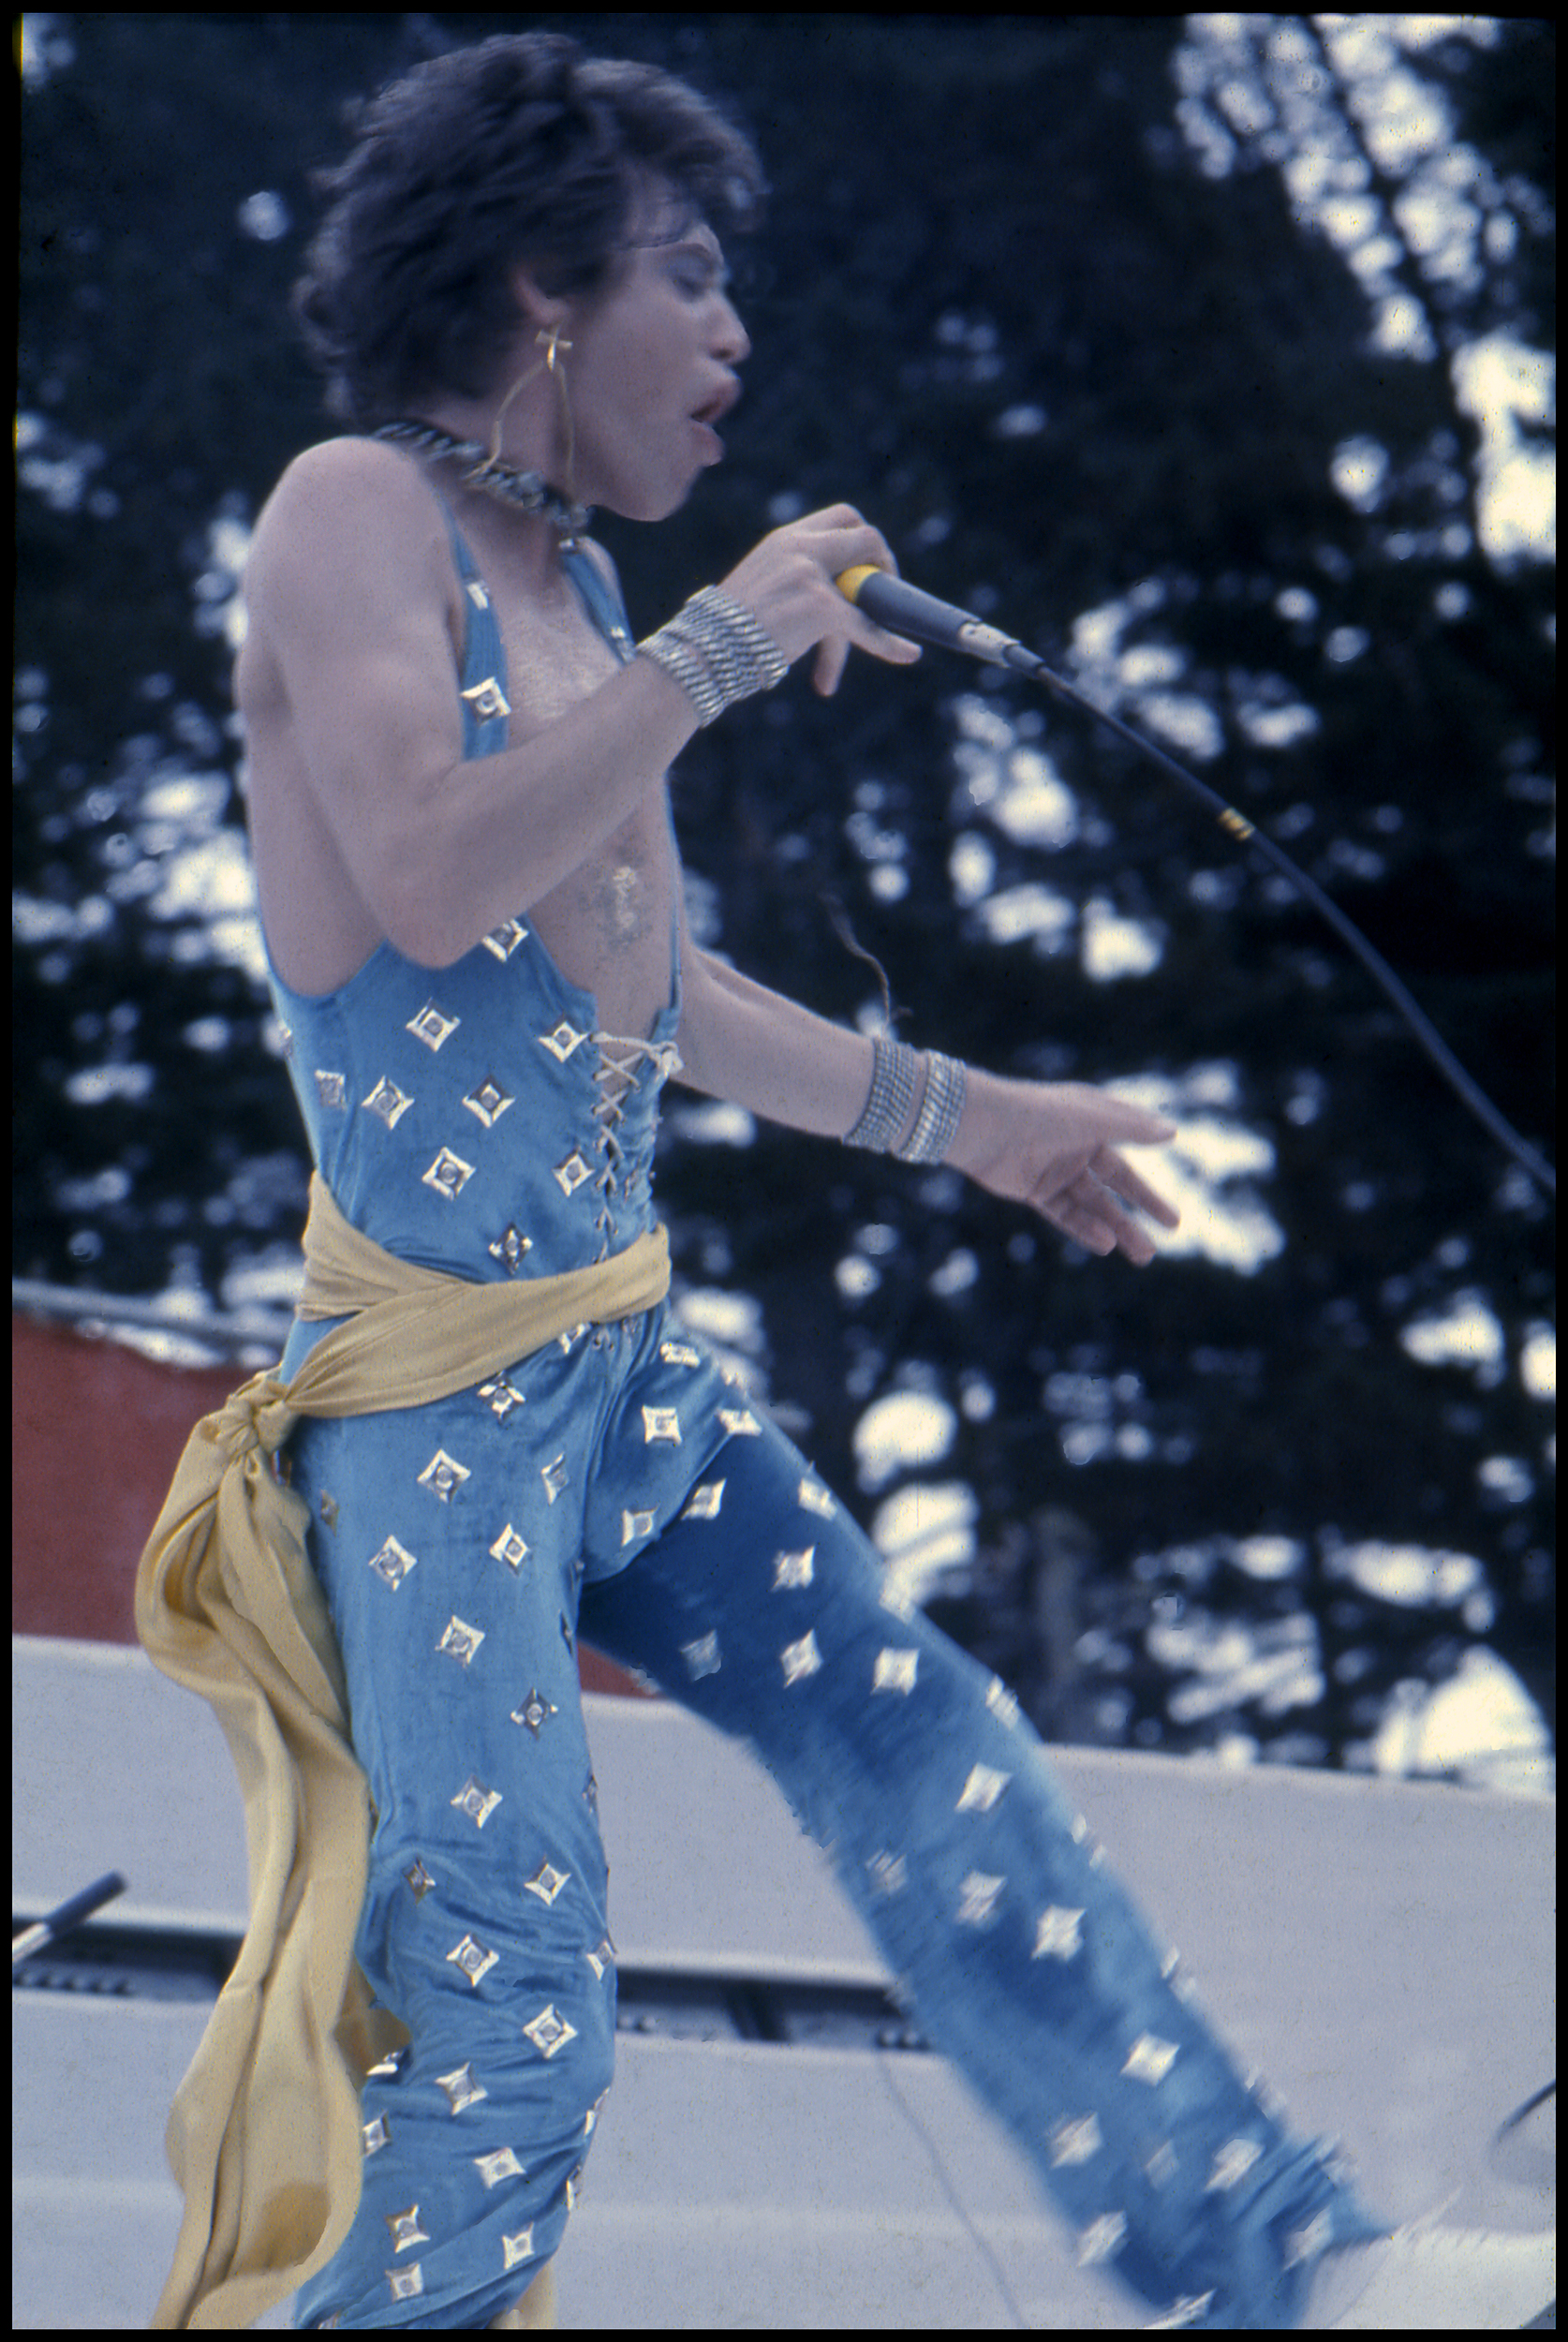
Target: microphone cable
column 904, row 609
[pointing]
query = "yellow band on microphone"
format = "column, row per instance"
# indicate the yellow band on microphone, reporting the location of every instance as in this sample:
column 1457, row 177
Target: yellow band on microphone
column 850, row 582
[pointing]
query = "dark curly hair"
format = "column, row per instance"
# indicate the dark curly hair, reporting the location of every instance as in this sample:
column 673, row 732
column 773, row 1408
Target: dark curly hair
column 524, row 148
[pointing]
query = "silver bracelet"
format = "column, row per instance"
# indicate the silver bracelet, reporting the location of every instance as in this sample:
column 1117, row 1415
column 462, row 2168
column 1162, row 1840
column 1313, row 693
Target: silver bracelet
column 672, row 652
column 717, row 651
column 892, row 1096
column 942, row 1111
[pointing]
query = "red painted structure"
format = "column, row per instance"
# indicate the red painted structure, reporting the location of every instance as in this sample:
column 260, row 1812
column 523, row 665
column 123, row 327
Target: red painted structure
column 96, row 1432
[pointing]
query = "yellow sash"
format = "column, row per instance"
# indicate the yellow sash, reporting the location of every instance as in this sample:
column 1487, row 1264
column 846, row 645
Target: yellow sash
column 265, row 2135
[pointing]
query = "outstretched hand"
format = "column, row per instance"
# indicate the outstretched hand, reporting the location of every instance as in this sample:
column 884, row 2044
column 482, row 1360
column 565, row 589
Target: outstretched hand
column 1053, row 1146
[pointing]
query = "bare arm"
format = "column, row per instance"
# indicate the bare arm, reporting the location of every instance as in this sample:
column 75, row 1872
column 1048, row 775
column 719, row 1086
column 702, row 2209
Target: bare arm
column 1051, row 1146
column 349, row 581
column 754, row 1048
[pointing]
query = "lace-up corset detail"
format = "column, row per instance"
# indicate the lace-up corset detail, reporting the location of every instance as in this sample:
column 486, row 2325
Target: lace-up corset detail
column 621, row 1072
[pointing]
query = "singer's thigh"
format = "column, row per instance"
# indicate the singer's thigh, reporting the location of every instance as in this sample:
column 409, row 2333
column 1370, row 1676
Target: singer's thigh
column 765, row 1609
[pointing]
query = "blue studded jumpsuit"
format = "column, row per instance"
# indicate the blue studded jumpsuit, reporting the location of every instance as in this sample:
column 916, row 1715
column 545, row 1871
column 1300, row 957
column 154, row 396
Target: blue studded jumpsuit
column 473, row 1120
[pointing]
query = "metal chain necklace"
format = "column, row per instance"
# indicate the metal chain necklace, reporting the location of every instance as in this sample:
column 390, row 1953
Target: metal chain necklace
column 526, row 491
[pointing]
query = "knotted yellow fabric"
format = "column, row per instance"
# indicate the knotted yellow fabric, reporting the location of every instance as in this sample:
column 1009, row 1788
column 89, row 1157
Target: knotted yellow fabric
column 265, row 2136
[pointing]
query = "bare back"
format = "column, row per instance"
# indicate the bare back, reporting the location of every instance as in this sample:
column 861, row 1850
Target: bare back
column 608, row 925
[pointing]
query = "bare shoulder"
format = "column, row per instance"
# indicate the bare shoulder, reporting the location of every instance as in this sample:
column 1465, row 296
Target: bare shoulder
column 346, row 502
column 346, row 467
column 349, row 550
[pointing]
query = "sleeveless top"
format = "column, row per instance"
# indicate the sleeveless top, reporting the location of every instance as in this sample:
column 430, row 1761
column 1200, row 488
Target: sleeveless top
column 473, row 1119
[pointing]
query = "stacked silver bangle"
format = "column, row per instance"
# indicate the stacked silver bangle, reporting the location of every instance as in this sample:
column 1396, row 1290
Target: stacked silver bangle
column 893, row 1094
column 718, row 652
column 942, row 1111
column 892, row 1098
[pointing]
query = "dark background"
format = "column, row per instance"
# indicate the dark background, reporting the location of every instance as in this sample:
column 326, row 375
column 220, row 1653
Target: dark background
column 972, row 217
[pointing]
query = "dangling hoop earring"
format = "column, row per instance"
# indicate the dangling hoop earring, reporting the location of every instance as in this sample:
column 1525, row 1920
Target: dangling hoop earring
column 549, row 339
column 554, row 345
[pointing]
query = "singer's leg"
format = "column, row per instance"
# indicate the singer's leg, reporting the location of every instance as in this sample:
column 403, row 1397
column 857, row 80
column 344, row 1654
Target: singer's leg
column 484, row 1925
column 761, row 1610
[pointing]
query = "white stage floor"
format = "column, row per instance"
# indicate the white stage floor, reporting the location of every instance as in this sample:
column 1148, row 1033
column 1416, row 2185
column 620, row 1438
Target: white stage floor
column 1383, row 1951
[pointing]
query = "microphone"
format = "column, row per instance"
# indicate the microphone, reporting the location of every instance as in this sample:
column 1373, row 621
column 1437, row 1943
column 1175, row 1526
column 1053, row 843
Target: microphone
column 905, row 610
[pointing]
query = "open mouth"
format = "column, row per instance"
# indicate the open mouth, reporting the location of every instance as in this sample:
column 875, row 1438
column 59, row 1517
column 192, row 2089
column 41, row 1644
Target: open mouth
column 715, row 408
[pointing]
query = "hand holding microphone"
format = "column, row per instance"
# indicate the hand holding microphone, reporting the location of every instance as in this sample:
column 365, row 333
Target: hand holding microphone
column 788, row 583
column 885, row 596
column 902, row 614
